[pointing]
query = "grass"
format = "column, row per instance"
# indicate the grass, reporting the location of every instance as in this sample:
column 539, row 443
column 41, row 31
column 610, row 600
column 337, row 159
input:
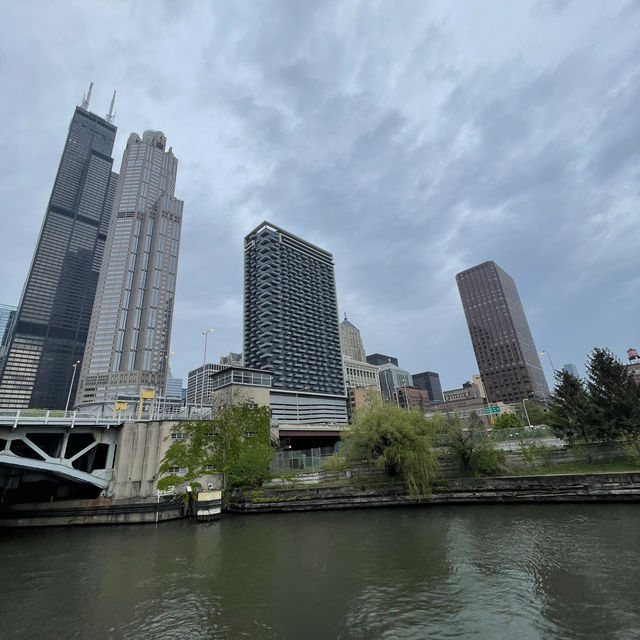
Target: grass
column 597, row 466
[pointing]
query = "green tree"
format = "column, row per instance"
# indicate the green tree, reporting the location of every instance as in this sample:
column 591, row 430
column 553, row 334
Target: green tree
column 572, row 414
column 535, row 413
column 508, row 421
column 397, row 440
column 615, row 397
column 470, row 445
column 235, row 443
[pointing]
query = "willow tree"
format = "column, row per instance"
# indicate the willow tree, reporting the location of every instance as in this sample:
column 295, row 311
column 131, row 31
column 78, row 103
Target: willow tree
column 396, row 440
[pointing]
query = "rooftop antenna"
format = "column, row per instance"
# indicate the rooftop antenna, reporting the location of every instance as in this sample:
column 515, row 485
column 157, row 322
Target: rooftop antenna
column 111, row 116
column 85, row 99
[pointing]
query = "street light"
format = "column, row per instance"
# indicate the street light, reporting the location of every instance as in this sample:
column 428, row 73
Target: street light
column 543, row 352
column 204, row 361
column 73, row 377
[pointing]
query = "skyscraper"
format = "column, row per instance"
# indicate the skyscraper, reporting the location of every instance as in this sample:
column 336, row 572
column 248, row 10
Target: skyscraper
column 506, row 354
column 571, row 369
column 392, row 377
column 291, row 324
column 52, row 320
column 130, row 330
column 351, row 341
column 430, row 382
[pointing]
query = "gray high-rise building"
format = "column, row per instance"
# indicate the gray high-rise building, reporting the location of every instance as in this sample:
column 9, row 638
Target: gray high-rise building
column 7, row 316
column 291, row 323
column 130, row 331
column 571, row 369
column 351, row 341
column 430, row 382
column 391, row 378
column 51, row 324
column 506, row 354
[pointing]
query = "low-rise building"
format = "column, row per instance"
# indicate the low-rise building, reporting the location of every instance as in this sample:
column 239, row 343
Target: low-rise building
column 411, row 397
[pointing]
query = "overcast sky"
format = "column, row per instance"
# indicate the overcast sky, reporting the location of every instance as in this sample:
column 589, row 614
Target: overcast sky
column 412, row 139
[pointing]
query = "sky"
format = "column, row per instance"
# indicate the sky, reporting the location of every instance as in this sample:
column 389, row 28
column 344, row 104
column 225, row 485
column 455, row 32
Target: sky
column 411, row 139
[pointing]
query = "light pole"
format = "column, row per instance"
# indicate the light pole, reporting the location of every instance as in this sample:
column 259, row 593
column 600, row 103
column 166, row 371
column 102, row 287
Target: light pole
column 204, row 362
column 524, row 406
column 73, row 377
column 550, row 362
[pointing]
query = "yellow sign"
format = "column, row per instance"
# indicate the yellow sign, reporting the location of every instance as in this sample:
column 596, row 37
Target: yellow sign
column 147, row 393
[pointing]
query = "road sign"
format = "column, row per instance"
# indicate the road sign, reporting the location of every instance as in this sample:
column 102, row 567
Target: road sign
column 492, row 409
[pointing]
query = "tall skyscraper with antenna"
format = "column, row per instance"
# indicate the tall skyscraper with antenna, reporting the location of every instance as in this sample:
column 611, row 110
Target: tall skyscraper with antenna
column 50, row 328
column 130, row 330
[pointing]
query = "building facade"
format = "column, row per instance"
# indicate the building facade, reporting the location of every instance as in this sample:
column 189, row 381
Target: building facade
column 571, row 369
column 468, row 391
column 379, row 359
column 291, row 318
column 359, row 374
column 199, row 385
column 392, row 377
column 351, row 341
column 130, row 331
column 411, row 398
column 430, row 382
column 502, row 342
column 52, row 321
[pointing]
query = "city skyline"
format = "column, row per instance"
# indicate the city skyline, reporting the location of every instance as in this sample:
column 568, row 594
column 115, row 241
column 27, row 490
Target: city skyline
column 338, row 140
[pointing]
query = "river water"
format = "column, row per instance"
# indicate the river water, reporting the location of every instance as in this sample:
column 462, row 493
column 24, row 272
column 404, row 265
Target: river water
column 490, row 571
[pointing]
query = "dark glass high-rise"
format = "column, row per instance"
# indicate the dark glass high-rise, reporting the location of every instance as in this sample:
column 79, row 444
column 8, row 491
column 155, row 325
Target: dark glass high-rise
column 50, row 328
column 506, row 354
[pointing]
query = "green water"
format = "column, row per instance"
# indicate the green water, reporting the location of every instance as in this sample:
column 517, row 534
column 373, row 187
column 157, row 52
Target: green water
column 491, row 571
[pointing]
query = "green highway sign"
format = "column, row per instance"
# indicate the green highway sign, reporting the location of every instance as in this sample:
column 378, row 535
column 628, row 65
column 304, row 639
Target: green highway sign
column 492, row 409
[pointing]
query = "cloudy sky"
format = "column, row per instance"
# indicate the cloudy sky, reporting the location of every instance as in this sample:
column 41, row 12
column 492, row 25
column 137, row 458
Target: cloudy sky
column 411, row 139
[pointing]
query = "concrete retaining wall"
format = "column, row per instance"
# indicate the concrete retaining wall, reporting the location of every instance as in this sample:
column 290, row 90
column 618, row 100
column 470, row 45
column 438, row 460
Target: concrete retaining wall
column 83, row 512
column 596, row 487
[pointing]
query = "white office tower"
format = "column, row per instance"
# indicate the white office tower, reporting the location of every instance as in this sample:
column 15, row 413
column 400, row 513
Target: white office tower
column 130, row 329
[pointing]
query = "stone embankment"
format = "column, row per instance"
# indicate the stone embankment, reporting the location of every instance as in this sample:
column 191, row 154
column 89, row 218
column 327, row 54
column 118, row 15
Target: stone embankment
column 363, row 492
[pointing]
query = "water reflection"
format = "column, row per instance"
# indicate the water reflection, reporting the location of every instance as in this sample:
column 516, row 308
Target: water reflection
column 503, row 571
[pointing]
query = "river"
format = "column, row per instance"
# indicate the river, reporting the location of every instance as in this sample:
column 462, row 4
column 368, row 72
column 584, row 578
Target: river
column 489, row 571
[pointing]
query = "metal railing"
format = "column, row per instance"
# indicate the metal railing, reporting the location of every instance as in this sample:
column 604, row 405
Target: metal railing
column 300, row 459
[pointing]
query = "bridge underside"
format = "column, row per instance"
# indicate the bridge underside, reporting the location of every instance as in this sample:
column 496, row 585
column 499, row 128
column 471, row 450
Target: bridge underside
column 44, row 464
column 20, row 484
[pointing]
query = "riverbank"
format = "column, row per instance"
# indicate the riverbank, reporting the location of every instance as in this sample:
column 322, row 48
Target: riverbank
column 588, row 487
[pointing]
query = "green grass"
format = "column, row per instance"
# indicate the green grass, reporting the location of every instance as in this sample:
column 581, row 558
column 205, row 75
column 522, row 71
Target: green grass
column 597, row 466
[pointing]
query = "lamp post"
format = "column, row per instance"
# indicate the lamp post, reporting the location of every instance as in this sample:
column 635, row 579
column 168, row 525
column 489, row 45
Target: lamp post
column 550, row 362
column 73, row 377
column 204, row 362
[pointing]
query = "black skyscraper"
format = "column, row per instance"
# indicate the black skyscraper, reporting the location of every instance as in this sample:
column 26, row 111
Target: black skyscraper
column 502, row 341
column 51, row 324
column 379, row 359
column 430, row 382
column 291, row 312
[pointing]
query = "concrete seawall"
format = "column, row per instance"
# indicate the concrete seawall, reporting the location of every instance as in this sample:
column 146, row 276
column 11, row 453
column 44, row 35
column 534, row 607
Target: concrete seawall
column 84, row 512
column 593, row 487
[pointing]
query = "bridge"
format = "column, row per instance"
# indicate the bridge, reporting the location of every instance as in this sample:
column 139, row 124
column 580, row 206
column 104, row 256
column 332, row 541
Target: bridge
column 75, row 446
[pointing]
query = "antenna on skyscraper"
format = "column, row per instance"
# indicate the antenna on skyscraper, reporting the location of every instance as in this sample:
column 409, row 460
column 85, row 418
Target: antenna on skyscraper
column 85, row 99
column 110, row 116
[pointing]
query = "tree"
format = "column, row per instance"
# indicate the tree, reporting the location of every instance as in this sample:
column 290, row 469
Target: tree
column 572, row 414
column 535, row 413
column 508, row 421
column 235, row 443
column 397, row 440
column 615, row 397
column 469, row 444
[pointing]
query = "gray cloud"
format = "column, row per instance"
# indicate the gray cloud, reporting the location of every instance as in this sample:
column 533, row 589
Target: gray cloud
column 410, row 140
